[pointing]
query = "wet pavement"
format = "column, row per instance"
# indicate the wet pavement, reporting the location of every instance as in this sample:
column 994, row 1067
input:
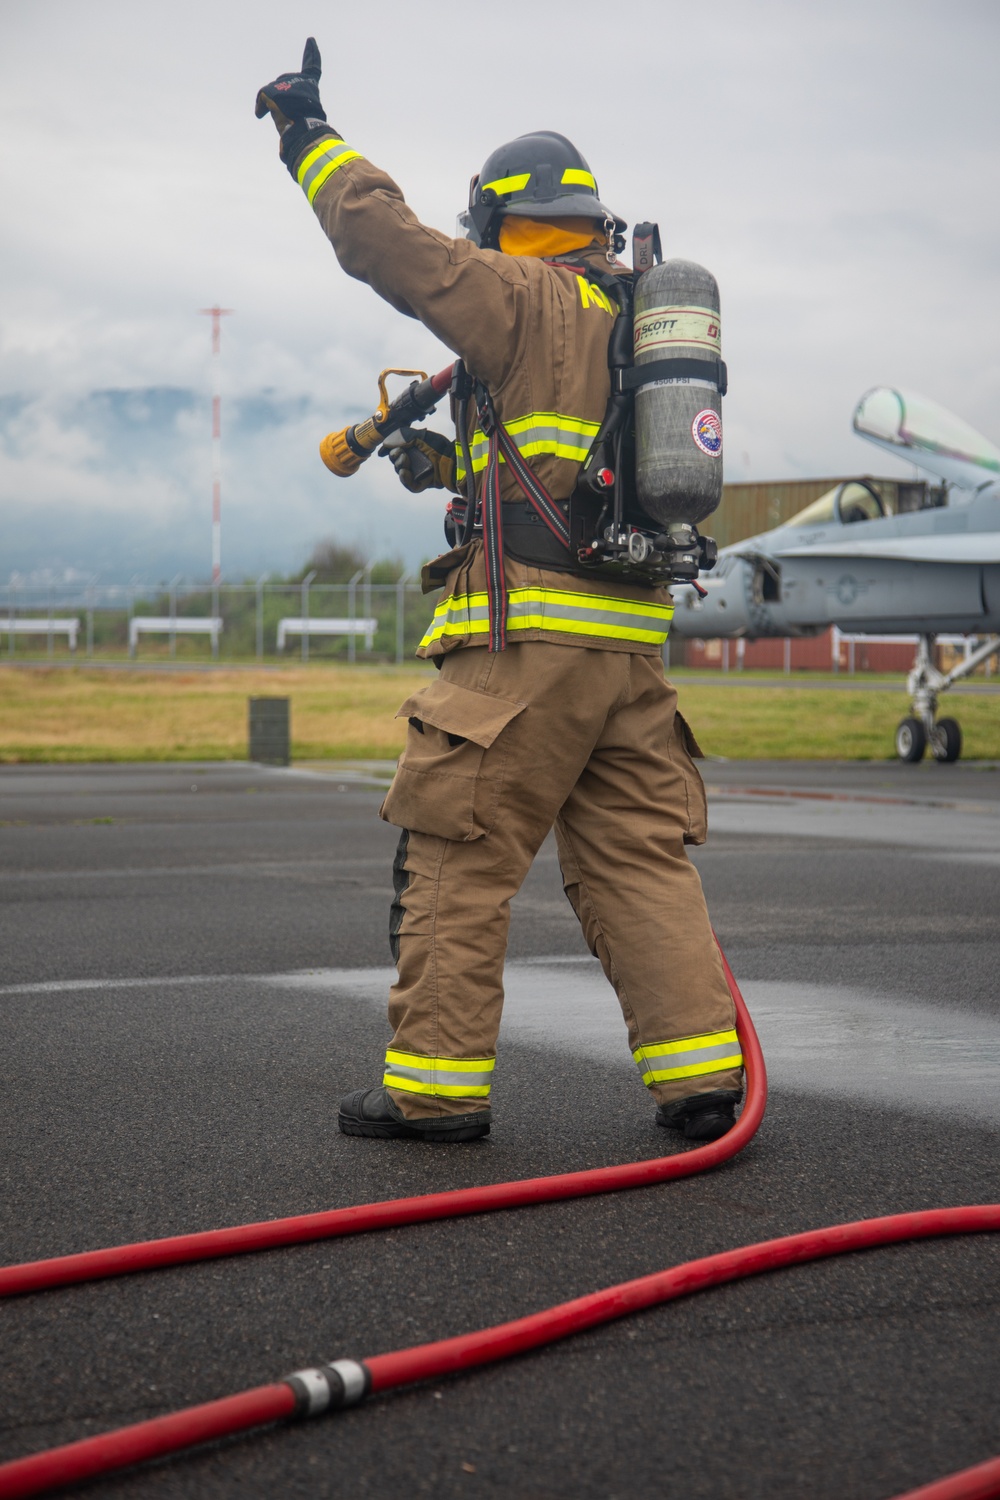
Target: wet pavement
column 825, row 1038
column 194, row 969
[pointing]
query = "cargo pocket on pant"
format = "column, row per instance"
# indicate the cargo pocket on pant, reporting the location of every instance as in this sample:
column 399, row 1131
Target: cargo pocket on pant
column 683, row 750
column 450, row 775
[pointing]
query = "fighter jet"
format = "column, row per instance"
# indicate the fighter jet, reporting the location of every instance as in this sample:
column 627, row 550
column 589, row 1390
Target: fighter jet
column 927, row 566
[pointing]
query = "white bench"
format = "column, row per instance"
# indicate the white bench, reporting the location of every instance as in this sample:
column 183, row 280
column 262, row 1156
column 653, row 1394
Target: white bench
column 327, row 626
column 36, row 626
column 209, row 625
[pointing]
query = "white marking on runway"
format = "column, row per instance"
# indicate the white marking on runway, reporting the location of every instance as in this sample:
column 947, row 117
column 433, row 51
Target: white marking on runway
column 951, row 832
column 260, row 868
column 171, row 981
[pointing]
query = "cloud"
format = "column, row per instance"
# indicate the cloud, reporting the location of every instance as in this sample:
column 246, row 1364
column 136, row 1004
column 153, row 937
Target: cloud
column 831, row 167
column 120, row 479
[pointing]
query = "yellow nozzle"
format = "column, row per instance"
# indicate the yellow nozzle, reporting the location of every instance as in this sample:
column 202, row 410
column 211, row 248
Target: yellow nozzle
column 341, row 456
column 338, row 457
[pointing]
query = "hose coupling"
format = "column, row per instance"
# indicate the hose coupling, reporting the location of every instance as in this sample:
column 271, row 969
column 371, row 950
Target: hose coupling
column 343, row 1382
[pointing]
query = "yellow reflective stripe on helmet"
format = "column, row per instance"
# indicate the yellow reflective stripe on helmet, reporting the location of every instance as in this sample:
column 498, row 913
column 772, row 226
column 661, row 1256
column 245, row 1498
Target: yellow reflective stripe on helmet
column 507, row 184
column 556, row 611
column 320, row 164
column 445, row 1077
column 541, row 432
column 690, row 1057
column 574, row 177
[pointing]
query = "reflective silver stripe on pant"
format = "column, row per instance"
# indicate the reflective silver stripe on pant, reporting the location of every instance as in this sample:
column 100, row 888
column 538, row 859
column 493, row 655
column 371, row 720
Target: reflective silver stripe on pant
column 442, row 1077
column 688, row 1058
column 445, row 1077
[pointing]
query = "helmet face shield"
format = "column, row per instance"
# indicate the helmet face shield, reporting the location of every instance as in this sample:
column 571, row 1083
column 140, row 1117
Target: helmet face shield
column 465, row 225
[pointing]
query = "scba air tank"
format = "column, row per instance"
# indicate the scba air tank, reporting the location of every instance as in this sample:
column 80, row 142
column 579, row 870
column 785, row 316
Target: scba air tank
column 678, row 416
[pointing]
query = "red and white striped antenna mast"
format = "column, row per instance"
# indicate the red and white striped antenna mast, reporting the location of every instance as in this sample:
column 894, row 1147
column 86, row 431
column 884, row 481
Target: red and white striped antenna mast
column 216, row 314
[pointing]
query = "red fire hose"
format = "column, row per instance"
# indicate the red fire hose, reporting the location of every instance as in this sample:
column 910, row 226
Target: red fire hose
column 346, row 1381
column 91, row 1265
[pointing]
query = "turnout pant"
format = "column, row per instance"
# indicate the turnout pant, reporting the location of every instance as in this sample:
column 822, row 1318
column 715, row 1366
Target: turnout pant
column 499, row 748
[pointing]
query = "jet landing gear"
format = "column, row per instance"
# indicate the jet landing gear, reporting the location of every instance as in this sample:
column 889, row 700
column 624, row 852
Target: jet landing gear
column 925, row 684
column 944, row 738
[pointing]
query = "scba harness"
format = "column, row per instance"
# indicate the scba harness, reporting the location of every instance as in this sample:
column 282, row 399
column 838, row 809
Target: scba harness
column 601, row 528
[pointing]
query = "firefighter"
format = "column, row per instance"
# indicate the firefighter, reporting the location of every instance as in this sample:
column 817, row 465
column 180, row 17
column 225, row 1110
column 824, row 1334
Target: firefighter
column 550, row 707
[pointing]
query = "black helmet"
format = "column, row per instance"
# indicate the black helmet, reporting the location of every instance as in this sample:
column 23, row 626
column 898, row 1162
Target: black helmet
column 538, row 176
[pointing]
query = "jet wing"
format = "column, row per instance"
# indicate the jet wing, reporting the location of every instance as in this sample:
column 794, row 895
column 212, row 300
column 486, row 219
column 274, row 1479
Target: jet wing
column 946, row 547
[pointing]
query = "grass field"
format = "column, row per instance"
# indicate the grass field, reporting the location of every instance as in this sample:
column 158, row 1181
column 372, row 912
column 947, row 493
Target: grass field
column 340, row 712
column 79, row 715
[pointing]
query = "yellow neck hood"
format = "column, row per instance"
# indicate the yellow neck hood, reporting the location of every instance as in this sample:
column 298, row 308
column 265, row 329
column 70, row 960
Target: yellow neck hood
column 536, row 237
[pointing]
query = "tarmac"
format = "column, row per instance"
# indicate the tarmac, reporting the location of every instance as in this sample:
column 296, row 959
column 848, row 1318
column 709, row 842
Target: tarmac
column 194, row 969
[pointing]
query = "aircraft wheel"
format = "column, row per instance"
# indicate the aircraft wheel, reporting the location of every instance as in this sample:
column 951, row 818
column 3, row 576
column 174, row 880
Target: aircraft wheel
column 946, row 740
column 911, row 740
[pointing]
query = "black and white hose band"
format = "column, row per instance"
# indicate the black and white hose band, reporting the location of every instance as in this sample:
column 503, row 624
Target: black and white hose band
column 343, row 1382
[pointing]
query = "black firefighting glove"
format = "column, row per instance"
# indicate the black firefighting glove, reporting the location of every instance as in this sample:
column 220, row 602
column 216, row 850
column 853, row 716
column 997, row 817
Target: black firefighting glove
column 423, row 460
column 293, row 103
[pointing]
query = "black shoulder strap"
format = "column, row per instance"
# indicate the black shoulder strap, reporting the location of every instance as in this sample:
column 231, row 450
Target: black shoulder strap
column 607, row 279
column 646, row 249
column 502, row 444
column 603, row 457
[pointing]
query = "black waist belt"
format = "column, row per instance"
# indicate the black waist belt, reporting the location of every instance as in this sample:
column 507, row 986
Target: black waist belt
column 527, row 539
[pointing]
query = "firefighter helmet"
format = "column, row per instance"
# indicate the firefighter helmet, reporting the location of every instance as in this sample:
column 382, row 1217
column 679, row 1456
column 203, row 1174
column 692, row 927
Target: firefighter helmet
column 538, row 176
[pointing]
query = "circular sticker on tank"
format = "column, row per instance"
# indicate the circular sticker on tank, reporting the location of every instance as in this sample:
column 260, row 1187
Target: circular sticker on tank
column 706, row 429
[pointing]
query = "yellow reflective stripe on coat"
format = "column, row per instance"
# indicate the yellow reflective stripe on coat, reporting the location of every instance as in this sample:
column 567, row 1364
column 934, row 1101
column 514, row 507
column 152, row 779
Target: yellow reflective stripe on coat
column 587, row 617
column 445, row 1077
column 548, row 432
column 320, row 164
column 690, row 1057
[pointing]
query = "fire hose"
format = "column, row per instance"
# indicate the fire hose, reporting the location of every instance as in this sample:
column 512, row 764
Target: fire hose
column 345, row 1382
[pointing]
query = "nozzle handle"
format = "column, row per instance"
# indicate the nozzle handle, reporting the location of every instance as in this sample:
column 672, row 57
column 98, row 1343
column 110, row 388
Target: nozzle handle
column 344, row 452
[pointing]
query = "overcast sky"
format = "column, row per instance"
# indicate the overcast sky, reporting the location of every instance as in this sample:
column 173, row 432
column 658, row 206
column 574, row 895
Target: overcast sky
column 836, row 167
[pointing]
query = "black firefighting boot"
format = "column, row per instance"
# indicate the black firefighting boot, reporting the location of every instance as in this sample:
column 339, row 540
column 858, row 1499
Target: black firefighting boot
column 374, row 1112
column 701, row 1117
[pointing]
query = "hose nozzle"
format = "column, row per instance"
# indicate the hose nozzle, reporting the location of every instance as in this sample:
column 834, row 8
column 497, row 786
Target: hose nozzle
column 344, row 452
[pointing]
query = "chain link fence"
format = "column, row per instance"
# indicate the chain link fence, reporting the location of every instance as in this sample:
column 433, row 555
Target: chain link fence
column 356, row 621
